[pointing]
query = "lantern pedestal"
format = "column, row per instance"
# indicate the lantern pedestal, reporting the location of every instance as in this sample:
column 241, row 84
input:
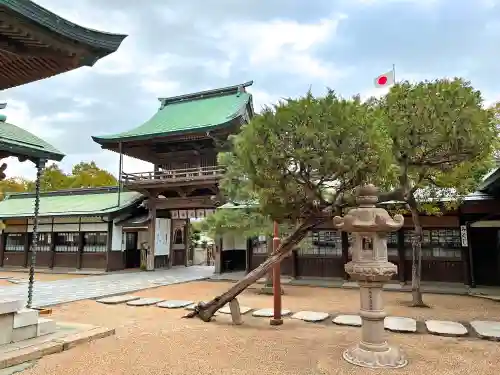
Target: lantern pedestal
column 373, row 351
column 370, row 267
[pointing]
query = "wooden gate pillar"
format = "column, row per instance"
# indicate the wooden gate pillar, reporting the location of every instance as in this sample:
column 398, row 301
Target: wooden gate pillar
column 150, row 266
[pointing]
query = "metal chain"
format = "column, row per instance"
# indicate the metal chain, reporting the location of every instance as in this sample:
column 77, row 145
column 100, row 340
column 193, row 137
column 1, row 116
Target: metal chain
column 40, row 164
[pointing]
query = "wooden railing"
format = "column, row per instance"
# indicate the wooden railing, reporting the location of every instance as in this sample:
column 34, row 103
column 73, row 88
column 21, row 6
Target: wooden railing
column 174, row 175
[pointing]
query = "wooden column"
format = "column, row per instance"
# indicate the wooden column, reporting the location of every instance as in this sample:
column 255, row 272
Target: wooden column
column 52, row 249
column 218, row 254
column 401, row 256
column 27, row 242
column 248, row 257
column 152, row 233
column 345, row 251
column 109, row 242
column 187, row 234
column 171, row 247
column 468, row 260
column 295, row 263
column 2, row 247
column 79, row 254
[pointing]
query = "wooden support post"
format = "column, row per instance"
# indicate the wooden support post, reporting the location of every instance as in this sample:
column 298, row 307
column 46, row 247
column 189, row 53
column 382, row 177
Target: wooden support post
column 401, row 256
column 52, row 249
column 79, row 254
column 3, row 240
column 27, row 242
column 108, row 245
column 152, row 234
column 344, row 238
column 234, row 307
column 277, row 319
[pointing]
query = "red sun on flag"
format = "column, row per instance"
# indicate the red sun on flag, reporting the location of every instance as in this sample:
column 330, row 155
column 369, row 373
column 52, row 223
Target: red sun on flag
column 383, row 80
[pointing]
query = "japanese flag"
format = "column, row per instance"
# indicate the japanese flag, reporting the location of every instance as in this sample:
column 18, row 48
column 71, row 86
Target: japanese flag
column 384, row 80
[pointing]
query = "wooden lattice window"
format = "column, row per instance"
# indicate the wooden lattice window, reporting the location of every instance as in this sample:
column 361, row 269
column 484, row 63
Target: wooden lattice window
column 436, row 243
column 44, row 242
column 259, row 245
column 15, row 241
column 392, row 244
column 67, row 242
column 322, row 243
column 95, row 242
column 179, row 236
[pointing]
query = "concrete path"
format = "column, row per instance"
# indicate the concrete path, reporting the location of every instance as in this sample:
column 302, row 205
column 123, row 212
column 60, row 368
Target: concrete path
column 47, row 293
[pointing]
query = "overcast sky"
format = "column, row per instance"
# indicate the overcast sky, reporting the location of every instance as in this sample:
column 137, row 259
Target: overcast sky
column 285, row 46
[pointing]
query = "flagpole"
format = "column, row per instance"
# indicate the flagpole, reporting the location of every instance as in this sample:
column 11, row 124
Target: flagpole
column 394, row 72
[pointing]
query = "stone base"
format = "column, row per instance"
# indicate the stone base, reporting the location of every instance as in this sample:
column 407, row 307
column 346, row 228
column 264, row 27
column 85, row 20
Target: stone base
column 390, row 358
column 269, row 290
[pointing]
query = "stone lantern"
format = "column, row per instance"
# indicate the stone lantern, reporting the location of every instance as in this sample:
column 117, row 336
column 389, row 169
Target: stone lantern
column 369, row 226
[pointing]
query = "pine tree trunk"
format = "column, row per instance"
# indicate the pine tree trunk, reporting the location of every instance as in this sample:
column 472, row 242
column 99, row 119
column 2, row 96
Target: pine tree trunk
column 416, row 268
column 205, row 311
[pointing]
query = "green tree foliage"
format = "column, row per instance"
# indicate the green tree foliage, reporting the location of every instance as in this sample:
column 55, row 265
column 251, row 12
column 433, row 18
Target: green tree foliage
column 296, row 160
column 442, row 143
column 84, row 175
column 12, row 185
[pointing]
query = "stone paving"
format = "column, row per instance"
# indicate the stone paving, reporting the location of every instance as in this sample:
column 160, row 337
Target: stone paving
column 47, row 293
column 488, row 330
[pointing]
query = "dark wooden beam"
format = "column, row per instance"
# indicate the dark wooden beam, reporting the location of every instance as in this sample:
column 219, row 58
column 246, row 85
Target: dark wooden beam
column 26, row 29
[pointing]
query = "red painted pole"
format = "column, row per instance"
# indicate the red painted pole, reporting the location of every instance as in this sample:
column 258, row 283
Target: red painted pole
column 277, row 319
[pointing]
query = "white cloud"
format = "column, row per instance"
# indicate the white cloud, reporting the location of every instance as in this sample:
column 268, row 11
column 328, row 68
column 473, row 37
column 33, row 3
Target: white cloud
column 282, row 45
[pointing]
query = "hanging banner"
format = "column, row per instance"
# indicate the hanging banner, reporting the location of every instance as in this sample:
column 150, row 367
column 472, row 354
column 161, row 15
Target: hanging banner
column 463, row 235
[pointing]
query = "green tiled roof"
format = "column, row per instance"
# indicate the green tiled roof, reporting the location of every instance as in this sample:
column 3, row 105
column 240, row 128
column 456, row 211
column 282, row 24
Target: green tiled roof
column 193, row 112
column 20, row 142
column 77, row 202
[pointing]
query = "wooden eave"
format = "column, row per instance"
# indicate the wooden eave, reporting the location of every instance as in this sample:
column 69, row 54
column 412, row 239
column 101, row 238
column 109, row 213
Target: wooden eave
column 37, row 44
column 141, row 148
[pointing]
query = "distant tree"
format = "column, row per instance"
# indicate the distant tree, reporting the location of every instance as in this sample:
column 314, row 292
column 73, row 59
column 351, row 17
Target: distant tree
column 88, row 174
column 12, row 185
column 53, row 178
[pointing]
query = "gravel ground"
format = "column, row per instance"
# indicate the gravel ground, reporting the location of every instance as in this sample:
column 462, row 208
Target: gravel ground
column 151, row 341
column 38, row 277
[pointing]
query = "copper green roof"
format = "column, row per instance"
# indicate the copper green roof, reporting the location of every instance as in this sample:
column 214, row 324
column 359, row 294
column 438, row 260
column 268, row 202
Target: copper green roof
column 200, row 111
column 75, row 202
column 18, row 142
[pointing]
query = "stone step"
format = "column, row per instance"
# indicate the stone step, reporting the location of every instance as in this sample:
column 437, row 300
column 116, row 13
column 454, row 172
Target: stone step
column 24, row 333
column 25, row 317
column 45, row 326
column 10, row 306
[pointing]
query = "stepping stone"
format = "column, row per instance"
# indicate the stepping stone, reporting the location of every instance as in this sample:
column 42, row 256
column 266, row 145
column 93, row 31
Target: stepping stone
column 392, row 286
column 174, row 304
column 115, row 300
column 348, row 320
column 350, row 285
column 445, row 328
column 269, row 313
column 400, row 324
column 310, row 316
column 144, row 301
column 487, row 329
column 227, row 310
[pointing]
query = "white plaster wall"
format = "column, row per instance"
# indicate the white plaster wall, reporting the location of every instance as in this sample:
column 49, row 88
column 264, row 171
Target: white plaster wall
column 233, row 242
column 200, row 256
column 117, row 238
column 162, row 238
